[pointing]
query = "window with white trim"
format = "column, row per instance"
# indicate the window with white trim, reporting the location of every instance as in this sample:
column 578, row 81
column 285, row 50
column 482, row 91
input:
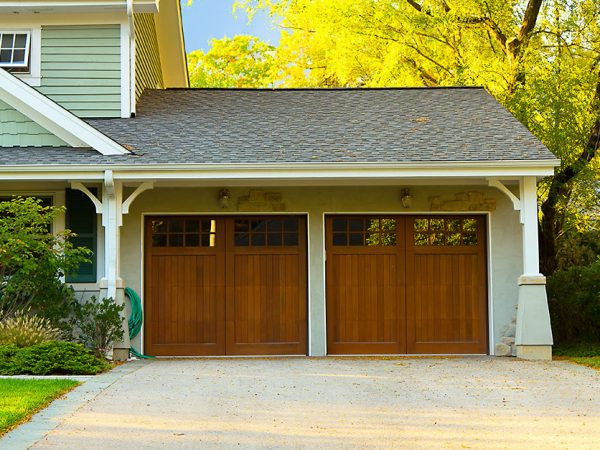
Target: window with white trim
column 14, row 50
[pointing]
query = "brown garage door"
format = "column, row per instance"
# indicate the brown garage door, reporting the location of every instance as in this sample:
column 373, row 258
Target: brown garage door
column 225, row 286
column 406, row 284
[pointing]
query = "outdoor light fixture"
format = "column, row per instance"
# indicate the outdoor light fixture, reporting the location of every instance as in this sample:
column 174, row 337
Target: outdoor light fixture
column 224, row 196
column 406, row 198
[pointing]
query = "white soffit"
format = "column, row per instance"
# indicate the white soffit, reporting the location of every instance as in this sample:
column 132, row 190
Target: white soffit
column 54, row 117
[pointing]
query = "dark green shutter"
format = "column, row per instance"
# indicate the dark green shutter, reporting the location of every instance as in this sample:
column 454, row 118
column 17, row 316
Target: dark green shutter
column 82, row 220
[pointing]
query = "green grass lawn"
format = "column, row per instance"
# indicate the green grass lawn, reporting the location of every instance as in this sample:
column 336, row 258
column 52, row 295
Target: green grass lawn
column 585, row 354
column 20, row 399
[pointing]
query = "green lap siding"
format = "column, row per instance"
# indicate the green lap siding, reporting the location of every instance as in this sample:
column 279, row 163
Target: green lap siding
column 81, row 68
column 17, row 130
column 148, row 72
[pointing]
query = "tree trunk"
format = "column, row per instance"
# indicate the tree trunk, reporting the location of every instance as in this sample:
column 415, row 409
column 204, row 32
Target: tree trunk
column 559, row 191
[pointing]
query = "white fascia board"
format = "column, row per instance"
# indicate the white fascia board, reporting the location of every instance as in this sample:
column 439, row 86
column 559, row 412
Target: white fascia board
column 331, row 172
column 54, row 117
column 83, row 6
column 302, row 172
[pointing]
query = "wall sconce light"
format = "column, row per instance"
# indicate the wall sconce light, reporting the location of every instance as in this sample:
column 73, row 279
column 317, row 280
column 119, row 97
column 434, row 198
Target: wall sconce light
column 406, row 198
column 224, row 197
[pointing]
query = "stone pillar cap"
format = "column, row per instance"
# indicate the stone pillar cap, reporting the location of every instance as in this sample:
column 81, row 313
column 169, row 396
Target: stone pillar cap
column 532, row 279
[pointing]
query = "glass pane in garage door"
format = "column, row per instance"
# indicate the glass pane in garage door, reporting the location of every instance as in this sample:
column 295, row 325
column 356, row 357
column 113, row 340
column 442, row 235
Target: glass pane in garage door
column 445, row 231
column 363, row 231
column 184, row 232
column 266, row 232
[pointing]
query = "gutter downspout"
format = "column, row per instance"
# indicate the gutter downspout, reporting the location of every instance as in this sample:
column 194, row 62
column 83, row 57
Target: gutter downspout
column 131, row 20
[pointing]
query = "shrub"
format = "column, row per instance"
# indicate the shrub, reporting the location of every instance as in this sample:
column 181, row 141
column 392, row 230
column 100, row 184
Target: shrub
column 24, row 330
column 98, row 324
column 574, row 302
column 7, row 353
column 50, row 358
column 33, row 260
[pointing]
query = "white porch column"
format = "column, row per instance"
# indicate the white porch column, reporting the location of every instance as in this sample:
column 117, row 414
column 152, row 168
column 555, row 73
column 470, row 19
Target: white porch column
column 534, row 333
column 112, row 286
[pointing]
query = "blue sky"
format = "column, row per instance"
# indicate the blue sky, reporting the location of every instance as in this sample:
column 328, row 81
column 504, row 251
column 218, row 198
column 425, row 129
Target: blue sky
column 207, row 19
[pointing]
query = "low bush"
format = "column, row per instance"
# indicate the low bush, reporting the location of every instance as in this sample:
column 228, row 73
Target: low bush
column 50, row 358
column 574, row 302
column 34, row 261
column 98, row 324
column 24, row 330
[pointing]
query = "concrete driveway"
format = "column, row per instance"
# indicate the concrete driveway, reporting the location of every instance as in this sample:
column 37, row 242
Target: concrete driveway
column 472, row 402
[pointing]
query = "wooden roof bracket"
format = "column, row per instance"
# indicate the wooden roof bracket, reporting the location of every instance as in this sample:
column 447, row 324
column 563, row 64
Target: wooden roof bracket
column 145, row 186
column 516, row 201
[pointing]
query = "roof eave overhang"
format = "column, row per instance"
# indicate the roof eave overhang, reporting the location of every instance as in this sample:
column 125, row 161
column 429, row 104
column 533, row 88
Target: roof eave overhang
column 171, row 45
column 297, row 171
column 79, row 6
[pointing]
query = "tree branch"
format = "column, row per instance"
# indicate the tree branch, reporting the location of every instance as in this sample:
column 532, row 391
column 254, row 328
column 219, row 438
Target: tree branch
column 529, row 20
column 493, row 28
column 418, row 7
column 428, row 78
column 428, row 58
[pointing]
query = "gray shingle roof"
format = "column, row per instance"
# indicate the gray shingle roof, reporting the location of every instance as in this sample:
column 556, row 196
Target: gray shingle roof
column 306, row 125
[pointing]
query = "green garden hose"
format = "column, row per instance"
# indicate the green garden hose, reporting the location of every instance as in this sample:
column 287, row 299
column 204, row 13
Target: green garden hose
column 135, row 320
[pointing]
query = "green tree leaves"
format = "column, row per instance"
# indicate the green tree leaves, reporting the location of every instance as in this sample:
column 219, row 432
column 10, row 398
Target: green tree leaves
column 239, row 62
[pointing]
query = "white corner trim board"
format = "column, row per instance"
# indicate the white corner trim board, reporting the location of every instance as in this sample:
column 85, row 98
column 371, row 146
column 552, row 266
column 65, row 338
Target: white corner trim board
column 54, row 117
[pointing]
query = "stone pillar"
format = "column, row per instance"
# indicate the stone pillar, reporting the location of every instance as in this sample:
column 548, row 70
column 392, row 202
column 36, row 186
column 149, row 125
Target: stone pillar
column 534, row 334
column 533, row 337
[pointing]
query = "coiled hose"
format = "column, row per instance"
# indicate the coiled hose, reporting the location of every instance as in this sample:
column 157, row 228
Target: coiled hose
column 136, row 319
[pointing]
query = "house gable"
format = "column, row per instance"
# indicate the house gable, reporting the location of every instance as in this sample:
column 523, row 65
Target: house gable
column 92, row 62
column 18, row 130
column 54, row 118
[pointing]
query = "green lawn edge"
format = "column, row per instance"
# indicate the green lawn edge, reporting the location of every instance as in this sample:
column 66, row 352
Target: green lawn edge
column 21, row 398
column 585, row 354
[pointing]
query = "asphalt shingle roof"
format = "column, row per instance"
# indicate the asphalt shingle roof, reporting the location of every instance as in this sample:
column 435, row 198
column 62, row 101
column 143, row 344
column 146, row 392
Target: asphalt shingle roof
column 215, row 126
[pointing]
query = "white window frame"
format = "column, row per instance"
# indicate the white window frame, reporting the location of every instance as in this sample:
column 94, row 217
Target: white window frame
column 34, row 76
column 14, row 33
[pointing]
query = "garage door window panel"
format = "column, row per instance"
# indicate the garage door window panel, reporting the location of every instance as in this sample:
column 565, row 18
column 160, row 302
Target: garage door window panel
column 440, row 232
column 363, row 232
column 184, row 232
column 266, row 232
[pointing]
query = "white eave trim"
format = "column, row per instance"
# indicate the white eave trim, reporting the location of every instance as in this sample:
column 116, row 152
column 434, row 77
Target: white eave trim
column 69, row 6
column 308, row 172
column 53, row 117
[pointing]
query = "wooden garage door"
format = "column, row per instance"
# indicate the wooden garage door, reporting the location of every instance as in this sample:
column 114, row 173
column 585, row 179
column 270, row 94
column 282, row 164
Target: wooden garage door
column 365, row 285
column 225, row 286
column 406, row 284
